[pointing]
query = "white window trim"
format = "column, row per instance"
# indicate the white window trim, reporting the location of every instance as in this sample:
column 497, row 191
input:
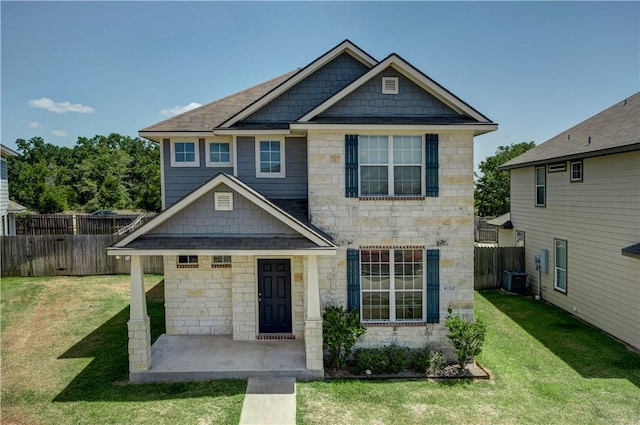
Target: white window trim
column 555, row 265
column 208, row 161
column 536, row 185
column 187, row 264
column 571, row 171
column 392, row 291
column 390, row 166
column 195, row 163
column 516, row 233
column 282, row 174
column 384, row 85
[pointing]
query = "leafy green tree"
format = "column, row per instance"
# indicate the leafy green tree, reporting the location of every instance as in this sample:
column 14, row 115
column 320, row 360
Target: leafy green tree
column 492, row 189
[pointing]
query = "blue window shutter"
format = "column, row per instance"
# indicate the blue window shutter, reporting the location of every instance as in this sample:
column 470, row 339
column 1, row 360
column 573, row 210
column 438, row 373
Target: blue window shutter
column 351, row 165
column 431, row 178
column 433, row 286
column 353, row 279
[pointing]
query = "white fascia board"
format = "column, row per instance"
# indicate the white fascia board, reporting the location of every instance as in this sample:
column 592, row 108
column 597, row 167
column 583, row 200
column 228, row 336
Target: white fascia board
column 412, row 74
column 157, row 136
column 301, row 75
column 148, row 252
column 235, row 132
column 243, row 190
column 477, row 129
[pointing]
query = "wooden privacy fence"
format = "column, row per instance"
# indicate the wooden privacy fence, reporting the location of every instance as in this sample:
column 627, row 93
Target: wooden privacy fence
column 76, row 224
column 489, row 263
column 66, row 255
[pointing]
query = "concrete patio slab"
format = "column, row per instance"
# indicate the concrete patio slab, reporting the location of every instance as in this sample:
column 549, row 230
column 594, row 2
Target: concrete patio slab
column 269, row 401
column 206, row 357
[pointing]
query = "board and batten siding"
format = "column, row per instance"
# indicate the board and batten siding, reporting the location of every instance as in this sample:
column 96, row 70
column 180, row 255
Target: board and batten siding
column 597, row 217
column 293, row 186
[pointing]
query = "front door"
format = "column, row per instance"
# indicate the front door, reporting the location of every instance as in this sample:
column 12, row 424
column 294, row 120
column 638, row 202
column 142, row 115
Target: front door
column 274, row 296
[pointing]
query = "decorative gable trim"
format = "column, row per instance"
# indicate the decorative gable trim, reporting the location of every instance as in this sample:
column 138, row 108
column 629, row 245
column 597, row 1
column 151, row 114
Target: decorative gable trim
column 345, row 46
column 243, row 190
column 413, row 74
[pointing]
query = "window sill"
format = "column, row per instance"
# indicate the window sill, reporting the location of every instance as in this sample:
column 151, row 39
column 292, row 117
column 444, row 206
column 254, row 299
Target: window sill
column 393, row 324
column 392, row 198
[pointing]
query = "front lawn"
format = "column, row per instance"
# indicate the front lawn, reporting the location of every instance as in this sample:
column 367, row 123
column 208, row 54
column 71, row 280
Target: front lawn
column 64, row 359
column 547, row 368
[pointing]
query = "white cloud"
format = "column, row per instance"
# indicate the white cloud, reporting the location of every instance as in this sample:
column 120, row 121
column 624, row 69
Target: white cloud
column 34, row 124
column 60, row 133
column 179, row 109
column 59, row 107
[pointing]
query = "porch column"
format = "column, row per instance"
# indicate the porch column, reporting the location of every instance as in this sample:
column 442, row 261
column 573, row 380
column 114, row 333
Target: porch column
column 313, row 319
column 139, row 324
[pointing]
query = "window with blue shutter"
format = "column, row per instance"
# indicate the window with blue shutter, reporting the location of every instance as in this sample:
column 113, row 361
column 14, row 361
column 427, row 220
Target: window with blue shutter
column 351, row 165
column 353, row 279
column 431, row 166
column 433, row 286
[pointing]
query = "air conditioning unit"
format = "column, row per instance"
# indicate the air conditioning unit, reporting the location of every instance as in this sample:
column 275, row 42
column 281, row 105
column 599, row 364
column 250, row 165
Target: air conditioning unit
column 515, row 282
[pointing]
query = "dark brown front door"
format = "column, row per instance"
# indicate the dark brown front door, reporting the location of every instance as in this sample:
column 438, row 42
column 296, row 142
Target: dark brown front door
column 274, row 296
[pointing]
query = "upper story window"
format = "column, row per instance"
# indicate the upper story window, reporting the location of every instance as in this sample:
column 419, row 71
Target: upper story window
column 541, row 186
column 391, row 165
column 576, row 171
column 270, row 158
column 185, row 154
column 219, row 154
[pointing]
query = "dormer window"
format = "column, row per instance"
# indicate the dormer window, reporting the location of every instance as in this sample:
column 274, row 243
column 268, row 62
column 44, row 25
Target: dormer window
column 389, row 85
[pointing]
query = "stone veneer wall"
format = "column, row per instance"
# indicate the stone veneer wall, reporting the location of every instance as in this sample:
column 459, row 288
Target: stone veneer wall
column 216, row 301
column 445, row 223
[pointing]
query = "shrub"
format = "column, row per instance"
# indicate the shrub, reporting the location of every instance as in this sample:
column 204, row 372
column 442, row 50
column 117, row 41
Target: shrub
column 424, row 360
column 341, row 330
column 396, row 357
column 467, row 337
column 373, row 359
column 437, row 361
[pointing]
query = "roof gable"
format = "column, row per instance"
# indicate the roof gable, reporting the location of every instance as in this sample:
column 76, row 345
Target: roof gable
column 165, row 222
column 616, row 129
column 407, row 70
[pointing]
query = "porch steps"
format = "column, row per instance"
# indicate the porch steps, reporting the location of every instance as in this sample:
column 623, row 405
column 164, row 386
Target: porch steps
column 269, row 401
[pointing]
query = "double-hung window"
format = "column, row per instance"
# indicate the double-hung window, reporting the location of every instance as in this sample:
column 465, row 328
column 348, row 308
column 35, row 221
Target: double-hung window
column 392, row 285
column 560, row 277
column 576, row 171
column 541, row 186
column 184, row 154
column 391, row 165
column 187, row 261
column 270, row 158
column 218, row 154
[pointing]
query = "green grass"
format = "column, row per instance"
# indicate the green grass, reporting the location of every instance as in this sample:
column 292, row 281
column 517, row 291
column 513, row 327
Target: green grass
column 547, row 368
column 64, row 359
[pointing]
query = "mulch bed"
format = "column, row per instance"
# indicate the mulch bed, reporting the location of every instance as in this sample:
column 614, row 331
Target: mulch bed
column 473, row 371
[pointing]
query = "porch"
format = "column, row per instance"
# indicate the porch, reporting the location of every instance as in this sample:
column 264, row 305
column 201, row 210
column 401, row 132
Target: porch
column 205, row 357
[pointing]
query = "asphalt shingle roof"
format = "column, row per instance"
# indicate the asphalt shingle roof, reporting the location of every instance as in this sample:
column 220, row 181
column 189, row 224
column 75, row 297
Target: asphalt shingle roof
column 190, row 242
column 615, row 128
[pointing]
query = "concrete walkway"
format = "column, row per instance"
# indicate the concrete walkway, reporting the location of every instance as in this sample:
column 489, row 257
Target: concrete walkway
column 269, row 401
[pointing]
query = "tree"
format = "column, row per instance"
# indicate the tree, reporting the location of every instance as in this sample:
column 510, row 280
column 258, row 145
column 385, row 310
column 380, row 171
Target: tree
column 492, row 191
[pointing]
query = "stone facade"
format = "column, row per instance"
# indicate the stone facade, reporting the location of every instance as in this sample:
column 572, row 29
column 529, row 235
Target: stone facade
column 444, row 223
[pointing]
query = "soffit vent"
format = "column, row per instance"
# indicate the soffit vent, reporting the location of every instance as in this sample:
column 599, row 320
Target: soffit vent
column 389, row 85
column 223, row 201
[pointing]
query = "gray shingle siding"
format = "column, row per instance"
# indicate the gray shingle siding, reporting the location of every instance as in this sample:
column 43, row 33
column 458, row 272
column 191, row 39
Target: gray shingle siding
column 181, row 180
column 291, row 187
column 200, row 218
column 368, row 100
column 310, row 92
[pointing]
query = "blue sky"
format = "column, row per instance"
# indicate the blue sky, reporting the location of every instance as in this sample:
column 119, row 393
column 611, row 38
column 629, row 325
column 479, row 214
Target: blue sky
column 72, row 69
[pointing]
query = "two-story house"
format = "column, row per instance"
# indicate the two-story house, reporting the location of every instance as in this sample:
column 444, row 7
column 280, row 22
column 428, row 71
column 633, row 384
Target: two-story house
column 575, row 204
column 348, row 181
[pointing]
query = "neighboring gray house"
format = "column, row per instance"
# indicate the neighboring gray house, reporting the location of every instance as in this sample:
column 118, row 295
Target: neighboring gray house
column 8, row 208
column 575, row 202
column 349, row 181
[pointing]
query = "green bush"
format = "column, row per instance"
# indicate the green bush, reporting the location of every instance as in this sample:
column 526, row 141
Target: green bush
column 467, row 337
column 341, row 330
column 396, row 357
column 373, row 359
column 424, row 360
column 437, row 362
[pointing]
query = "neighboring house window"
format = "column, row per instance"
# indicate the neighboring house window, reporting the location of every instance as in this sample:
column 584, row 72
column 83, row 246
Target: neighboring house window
column 221, row 261
column 576, row 171
column 519, row 238
column 392, row 285
column 270, row 160
column 187, row 261
column 185, row 154
column 560, row 279
column 391, row 165
column 541, row 186
column 219, row 154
